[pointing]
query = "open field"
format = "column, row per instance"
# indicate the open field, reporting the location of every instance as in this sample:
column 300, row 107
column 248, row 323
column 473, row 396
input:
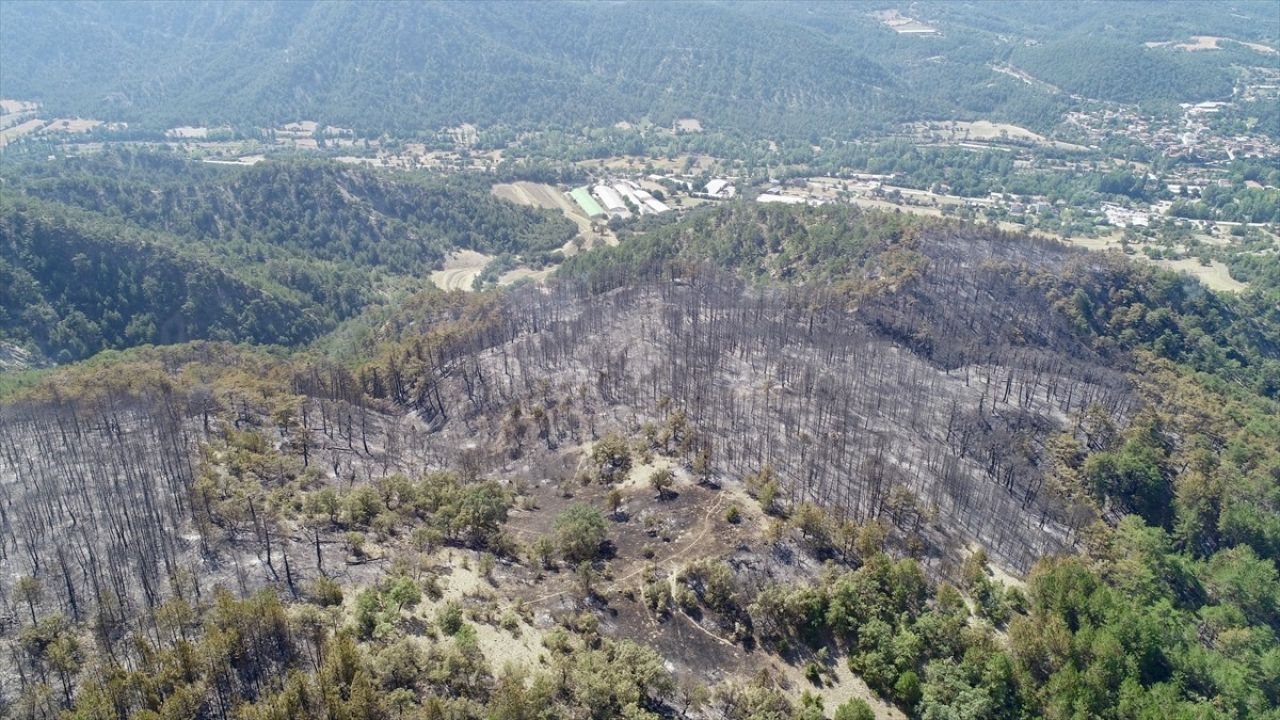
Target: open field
column 8, row 135
column 1215, row 275
column 246, row 160
column 460, row 270
column 518, row 274
column 71, row 125
column 689, row 125
column 984, row 131
column 701, row 163
column 8, row 106
column 1210, row 42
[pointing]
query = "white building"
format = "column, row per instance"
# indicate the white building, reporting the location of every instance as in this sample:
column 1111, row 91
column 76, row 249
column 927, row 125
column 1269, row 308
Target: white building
column 776, row 198
column 720, row 188
column 611, row 200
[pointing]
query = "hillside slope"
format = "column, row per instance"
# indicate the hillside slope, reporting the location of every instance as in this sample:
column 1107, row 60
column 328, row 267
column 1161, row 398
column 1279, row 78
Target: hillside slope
column 634, row 489
column 791, row 69
column 315, row 242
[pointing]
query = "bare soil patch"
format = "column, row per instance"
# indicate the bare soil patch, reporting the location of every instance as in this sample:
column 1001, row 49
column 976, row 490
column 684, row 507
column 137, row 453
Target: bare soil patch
column 460, row 270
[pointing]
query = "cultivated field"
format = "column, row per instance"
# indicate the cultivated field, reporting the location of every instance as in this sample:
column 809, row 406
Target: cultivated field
column 550, row 197
column 1026, row 77
column 187, row 132
column 902, row 24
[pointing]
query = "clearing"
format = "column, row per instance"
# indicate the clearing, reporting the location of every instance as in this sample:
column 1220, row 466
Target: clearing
column 1210, row 42
column 464, row 134
column 71, row 125
column 984, row 131
column 8, row 135
column 460, row 270
column 1215, row 275
column 688, row 125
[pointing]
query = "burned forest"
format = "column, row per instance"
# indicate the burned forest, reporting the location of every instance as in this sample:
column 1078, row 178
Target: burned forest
column 775, row 465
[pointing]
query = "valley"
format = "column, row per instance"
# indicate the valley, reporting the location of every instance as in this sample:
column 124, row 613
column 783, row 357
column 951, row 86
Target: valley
column 679, row 361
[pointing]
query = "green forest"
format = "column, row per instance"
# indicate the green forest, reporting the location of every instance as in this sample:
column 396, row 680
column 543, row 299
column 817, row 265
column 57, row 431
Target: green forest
column 165, row 250
column 791, row 69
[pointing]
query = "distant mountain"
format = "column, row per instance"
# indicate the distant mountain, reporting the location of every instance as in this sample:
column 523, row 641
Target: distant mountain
column 790, row 69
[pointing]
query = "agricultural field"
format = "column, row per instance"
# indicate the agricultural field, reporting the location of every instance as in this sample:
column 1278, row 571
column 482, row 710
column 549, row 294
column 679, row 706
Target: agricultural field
column 550, row 197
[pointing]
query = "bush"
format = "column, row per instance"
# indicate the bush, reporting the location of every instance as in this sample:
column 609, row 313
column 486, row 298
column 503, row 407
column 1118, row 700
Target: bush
column 325, row 592
column 612, row 458
column 449, row 618
column 855, row 709
column 580, row 530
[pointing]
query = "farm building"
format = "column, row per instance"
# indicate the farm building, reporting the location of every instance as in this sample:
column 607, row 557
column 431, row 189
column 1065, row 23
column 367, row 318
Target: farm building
column 612, row 201
column 778, row 198
column 588, row 203
column 719, row 188
column 648, row 203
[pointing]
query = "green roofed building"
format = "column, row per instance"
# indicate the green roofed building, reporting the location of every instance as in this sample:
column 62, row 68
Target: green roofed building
column 588, row 204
